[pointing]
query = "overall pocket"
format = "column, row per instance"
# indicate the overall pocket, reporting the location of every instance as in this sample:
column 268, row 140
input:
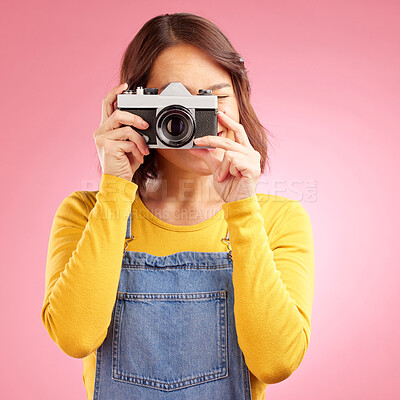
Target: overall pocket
column 170, row 341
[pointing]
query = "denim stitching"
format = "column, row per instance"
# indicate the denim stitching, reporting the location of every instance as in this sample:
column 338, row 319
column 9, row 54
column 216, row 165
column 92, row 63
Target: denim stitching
column 220, row 296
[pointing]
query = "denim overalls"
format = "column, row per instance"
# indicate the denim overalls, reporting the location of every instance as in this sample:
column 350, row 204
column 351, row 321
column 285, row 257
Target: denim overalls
column 172, row 333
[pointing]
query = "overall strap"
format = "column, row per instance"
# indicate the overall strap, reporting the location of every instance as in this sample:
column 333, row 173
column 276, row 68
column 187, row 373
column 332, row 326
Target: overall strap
column 128, row 236
column 128, row 227
column 227, row 242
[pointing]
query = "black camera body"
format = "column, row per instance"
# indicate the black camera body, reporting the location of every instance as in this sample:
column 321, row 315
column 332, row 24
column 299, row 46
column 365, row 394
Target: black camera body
column 175, row 117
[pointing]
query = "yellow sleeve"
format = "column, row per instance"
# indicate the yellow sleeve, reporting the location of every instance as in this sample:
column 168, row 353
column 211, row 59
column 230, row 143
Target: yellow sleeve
column 273, row 284
column 83, row 265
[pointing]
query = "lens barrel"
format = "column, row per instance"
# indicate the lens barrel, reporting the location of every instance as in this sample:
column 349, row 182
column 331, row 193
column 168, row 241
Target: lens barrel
column 175, row 126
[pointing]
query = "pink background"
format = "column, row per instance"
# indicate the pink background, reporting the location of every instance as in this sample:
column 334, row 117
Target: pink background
column 325, row 81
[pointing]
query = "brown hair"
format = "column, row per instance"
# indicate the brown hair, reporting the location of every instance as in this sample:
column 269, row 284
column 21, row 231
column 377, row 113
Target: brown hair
column 164, row 31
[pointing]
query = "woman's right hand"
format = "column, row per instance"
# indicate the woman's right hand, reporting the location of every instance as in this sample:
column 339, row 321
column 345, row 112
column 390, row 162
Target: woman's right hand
column 118, row 156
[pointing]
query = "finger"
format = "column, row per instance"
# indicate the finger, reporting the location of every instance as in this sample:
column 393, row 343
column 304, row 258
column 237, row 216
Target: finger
column 132, row 160
column 136, row 153
column 225, row 166
column 244, row 167
column 220, row 142
column 130, row 147
column 108, row 101
column 208, row 157
column 230, row 160
column 120, row 117
column 127, row 133
column 234, row 171
column 238, row 129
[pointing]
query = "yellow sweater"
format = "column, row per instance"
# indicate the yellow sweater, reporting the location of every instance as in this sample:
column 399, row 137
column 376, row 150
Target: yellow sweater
column 273, row 272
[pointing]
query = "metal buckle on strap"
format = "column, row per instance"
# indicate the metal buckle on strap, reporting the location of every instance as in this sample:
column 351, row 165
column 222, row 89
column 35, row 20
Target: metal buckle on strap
column 127, row 241
column 228, row 243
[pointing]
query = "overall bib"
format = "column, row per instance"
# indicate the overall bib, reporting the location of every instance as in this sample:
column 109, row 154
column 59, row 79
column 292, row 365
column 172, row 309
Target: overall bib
column 172, row 333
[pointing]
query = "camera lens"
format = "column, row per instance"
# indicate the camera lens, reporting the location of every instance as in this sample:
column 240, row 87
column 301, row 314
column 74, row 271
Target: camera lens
column 175, row 126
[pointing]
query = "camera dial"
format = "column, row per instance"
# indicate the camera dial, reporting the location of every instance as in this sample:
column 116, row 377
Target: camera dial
column 151, row 91
column 202, row 91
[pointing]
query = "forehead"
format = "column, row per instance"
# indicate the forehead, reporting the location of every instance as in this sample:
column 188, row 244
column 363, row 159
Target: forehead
column 189, row 65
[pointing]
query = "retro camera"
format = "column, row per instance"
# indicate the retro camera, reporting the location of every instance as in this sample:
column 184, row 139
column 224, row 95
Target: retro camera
column 175, row 116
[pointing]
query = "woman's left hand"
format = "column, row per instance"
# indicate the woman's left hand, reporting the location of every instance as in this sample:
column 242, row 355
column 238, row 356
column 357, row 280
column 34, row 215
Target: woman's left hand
column 236, row 176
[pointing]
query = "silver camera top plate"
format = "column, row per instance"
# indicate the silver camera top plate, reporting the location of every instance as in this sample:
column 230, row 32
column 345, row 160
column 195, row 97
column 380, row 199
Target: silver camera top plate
column 174, row 93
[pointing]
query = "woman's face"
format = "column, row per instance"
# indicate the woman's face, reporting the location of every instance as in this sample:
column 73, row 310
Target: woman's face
column 196, row 70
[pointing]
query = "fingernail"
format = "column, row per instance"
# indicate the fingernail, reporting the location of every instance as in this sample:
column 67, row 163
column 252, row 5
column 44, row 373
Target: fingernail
column 145, row 124
column 125, row 85
column 218, row 112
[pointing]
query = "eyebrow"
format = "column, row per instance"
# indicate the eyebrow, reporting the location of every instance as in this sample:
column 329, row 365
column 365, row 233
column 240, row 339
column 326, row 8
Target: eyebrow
column 213, row 87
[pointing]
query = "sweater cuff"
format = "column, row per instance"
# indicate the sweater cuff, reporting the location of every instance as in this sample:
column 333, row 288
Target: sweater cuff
column 241, row 208
column 114, row 188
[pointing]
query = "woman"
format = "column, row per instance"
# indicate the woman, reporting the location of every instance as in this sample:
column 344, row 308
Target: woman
column 176, row 280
